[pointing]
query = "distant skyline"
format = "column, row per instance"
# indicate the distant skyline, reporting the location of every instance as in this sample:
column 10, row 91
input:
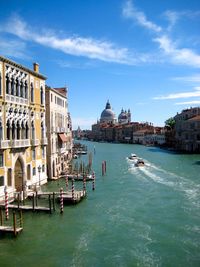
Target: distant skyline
column 141, row 55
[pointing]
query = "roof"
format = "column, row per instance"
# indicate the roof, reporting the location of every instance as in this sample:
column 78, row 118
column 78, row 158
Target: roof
column 62, row 90
column 6, row 60
column 196, row 118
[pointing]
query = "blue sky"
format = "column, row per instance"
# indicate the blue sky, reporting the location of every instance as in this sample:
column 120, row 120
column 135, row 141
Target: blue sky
column 139, row 54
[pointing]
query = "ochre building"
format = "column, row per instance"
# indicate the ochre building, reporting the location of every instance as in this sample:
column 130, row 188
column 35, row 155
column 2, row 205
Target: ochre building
column 22, row 127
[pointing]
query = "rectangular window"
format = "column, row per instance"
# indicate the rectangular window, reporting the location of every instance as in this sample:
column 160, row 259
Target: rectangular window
column 9, row 177
column 43, row 168
column 33, row 154
column 1, row 180
column 43, row 152
column 51, row 97
column 1, row 159
column 34, row 172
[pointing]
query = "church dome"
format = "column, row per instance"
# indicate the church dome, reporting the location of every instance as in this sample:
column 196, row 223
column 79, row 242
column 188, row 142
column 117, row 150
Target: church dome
column 107, row 114
column 123, row 115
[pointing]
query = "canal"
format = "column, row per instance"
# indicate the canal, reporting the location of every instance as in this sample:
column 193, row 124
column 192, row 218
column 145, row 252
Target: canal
column 146, row 216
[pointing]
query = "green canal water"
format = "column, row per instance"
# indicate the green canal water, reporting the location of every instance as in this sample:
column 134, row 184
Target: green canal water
column 146, row 216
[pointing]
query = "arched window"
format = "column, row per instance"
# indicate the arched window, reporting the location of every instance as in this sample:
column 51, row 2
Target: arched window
column 18, row 130
column 7, row 84
column 17, row 87
column 13, row 130
column 23, row 130
column 27, row 130
column 8, row 130
column 1, row 131
column 0, row 85
column 42, row 130
column 21, row 89
column 41, row 96
column 32, row 93
column 26, row 90
column 12, row 86
column 32, row 130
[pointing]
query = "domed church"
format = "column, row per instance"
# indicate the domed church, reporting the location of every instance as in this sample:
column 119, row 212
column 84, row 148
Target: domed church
column 124, row 117
column 107, row 115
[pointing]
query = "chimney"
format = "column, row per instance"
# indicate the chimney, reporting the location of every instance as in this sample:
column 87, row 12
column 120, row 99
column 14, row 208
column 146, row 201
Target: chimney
column 36, row 67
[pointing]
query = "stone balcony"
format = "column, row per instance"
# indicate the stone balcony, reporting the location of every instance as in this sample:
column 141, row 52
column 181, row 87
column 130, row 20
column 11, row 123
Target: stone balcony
column 4, row 144
column 16, row 99
column 44, row 141
column 35, row 142
column 20, row 143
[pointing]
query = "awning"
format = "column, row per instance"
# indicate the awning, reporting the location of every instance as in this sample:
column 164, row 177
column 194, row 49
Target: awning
column 62, row 137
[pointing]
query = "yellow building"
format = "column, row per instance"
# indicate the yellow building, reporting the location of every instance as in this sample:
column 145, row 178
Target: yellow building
column 22, row 127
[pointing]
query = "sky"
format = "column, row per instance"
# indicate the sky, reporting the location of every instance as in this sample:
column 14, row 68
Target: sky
column 140, row 55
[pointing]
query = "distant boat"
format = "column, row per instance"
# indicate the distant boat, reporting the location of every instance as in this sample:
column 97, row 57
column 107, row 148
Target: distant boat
column 139, row 163
column 133, row 157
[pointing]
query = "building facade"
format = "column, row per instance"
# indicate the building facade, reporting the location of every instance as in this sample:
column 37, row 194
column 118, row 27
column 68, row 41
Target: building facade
column 22, row 127
column 187, row 130
column 59, row 132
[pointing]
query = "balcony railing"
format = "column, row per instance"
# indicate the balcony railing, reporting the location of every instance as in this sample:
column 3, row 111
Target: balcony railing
column 20, row 143
column 35, row 142
column 44, row 141
column 16, row 99
column 4, row 144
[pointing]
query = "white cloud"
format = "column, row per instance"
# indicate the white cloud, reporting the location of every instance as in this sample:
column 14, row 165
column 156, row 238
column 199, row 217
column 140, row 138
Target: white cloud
column 129, row 11
column 73, row 45
column 195, row 102
column 183, row 56
column 190, row 79
column 179, row 95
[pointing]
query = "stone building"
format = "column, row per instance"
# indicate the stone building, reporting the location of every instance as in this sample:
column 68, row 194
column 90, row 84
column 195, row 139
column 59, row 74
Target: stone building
column 59, row 131
column 187, row 130
column 22, row 127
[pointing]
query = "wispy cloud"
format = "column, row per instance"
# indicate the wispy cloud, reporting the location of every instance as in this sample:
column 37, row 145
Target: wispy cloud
column 195, row 102
column 169, row 51
column 130, row 11
column 183, row 56
column 188, row 79
column 195, row 93
column 73, row 45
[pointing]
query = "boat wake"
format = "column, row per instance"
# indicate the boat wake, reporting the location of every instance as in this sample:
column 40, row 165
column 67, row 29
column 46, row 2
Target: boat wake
column 179, row 183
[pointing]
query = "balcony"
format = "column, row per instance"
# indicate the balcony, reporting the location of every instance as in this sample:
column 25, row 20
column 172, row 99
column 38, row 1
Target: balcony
column 60, row 129
column 16, row 99
column 20, row 143
column 44, row 141
column 35, row 142
column 4, row 144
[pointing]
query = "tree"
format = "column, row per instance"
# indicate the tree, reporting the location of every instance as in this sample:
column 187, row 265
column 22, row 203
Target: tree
column 170, row 122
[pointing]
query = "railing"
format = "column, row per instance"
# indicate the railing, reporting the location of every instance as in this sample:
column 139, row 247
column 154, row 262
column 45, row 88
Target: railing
column 16, row 99
column 4, row 144
column 44, row 141
column 35, row 142
column 20, row 143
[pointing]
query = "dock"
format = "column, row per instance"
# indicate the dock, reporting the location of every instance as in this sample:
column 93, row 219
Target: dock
column 67, row 196
column 78, row 177
column 10, row 229
column 29, row 207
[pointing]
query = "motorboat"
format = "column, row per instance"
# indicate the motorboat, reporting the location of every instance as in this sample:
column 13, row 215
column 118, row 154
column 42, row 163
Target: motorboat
column 139, row 163
column 133, row 157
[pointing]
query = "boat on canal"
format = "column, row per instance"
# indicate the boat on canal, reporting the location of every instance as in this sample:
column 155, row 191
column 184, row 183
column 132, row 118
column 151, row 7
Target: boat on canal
column 139, row 163
column 133, row 157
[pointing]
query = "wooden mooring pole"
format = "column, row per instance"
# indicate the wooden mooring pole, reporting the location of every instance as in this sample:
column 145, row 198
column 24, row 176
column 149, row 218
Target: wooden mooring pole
column 61, row 200
column 6, row 203
column 54, row 208
column 14, row 223
column 1, row 216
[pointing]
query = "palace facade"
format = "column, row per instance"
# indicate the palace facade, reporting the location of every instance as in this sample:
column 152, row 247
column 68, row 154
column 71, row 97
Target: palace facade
column 22, row 127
